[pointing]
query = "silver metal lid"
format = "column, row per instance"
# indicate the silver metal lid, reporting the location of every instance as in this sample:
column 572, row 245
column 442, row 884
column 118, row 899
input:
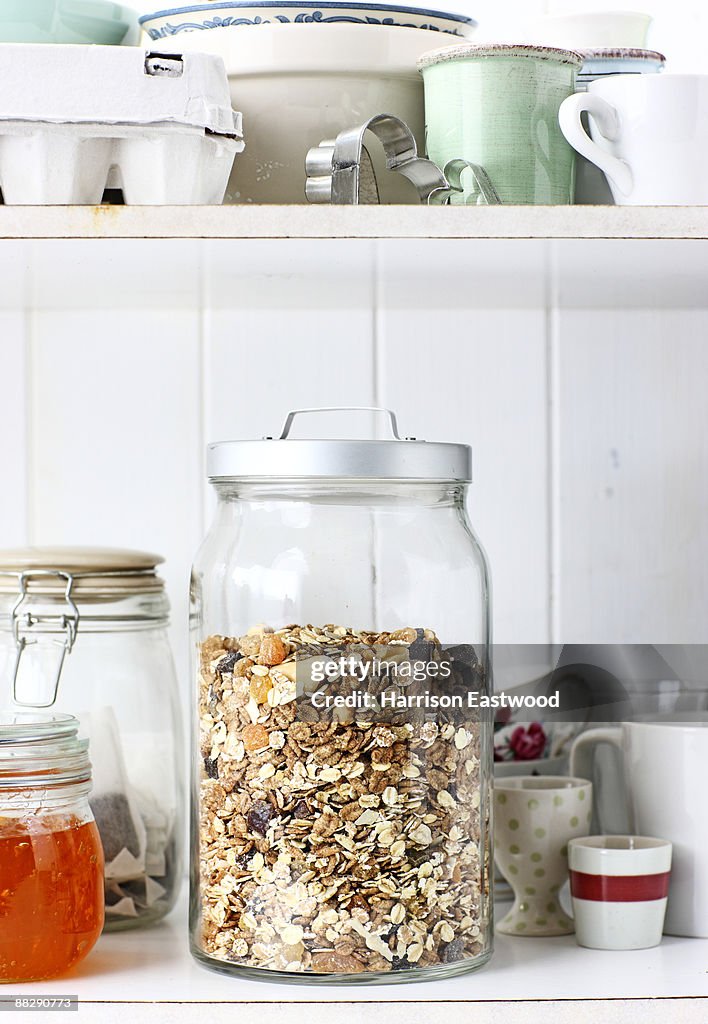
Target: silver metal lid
column 285, row 458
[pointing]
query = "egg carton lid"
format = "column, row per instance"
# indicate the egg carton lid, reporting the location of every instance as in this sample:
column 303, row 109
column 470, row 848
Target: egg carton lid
column 76, row 84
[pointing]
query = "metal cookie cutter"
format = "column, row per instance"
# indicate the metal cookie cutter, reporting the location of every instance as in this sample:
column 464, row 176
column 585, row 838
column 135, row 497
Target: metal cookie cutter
column 341, row 171
column 483, row 193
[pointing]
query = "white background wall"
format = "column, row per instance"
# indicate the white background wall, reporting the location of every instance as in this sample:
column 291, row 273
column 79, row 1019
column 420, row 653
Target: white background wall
column 578, row 371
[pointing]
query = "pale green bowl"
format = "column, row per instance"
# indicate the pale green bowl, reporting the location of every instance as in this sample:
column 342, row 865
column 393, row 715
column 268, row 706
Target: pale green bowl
column 67, row 21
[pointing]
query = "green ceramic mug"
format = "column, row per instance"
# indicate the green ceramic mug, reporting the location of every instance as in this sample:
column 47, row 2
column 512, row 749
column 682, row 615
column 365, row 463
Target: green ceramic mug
column 496, row 106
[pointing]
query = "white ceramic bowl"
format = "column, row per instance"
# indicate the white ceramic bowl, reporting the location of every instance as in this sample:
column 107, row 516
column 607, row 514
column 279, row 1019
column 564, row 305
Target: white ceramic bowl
column 218, row 14
column 539, row 766
column 297, row 88
column 592, row 31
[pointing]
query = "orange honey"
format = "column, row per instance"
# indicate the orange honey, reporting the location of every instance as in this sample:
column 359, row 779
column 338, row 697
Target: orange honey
column 51, row 895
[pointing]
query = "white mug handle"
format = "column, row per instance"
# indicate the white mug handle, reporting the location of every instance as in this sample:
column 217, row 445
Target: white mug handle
column 582, row 754
column 607, row 120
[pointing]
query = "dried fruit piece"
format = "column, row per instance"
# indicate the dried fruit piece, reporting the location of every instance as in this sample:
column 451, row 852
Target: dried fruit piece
column 454, row 951
column 259, row 817
column 260, row 688
column 255, row 737
column 228, row 661
column 358, row 902
column 272, row 650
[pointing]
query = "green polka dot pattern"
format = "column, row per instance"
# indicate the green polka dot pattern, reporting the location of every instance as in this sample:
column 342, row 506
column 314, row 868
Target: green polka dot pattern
column 532, row 832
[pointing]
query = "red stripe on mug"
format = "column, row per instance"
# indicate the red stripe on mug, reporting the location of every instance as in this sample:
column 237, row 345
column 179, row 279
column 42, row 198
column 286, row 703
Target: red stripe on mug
column 619, row 888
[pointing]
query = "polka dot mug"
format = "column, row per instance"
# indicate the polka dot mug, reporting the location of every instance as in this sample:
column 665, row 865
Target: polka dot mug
column 534, row 818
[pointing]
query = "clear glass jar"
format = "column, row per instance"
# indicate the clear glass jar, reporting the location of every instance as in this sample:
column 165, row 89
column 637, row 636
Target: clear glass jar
column 346, row 842
column 84, row 631
column 51, row 862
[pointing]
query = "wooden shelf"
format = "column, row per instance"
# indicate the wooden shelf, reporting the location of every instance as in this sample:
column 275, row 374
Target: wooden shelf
column 149, row 977
column 313, row 222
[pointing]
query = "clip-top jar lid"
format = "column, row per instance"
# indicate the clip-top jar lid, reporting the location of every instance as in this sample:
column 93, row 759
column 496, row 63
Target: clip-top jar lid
column 97, row 573
column 286, row 458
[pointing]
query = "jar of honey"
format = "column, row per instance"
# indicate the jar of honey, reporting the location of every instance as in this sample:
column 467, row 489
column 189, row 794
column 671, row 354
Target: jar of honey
column 51, row 860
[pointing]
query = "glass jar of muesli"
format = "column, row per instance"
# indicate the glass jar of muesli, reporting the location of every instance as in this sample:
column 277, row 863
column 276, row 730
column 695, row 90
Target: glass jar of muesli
column 343, row 755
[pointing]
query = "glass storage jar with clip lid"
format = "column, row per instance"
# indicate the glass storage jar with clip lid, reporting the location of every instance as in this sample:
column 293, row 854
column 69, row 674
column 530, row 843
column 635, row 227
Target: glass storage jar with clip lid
column 343, row 757
column 84, row 631
column 51, row 862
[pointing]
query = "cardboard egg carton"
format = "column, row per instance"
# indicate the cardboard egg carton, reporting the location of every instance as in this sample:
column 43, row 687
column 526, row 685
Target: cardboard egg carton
column 75, row 120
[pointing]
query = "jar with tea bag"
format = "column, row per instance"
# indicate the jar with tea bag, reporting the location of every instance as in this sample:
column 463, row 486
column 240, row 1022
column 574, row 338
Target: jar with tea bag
column 84, row 631
column 340, row 616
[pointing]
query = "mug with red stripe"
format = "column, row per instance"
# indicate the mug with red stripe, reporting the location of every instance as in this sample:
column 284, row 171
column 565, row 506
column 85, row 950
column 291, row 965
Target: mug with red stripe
column 619, row 886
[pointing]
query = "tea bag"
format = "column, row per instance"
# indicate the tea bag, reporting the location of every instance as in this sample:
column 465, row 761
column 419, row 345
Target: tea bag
column 112, row 801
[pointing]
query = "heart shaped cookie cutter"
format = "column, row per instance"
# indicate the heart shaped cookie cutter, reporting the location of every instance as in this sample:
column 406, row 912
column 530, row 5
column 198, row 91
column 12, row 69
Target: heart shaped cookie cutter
column 481, row 193
column 341, row 172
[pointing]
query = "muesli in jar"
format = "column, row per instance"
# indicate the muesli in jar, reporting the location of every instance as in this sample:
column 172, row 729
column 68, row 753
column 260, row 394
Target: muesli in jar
column 337, row 840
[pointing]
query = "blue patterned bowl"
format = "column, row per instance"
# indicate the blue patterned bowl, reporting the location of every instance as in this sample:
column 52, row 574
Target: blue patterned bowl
column 165, row 24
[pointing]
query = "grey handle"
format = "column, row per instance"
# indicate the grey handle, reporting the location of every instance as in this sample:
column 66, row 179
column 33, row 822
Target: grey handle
column 290, row 418
column 582, row 762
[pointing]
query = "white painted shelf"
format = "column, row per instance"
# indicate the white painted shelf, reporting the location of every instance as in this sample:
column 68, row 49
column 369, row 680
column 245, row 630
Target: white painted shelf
column 536, row 222
column 150, row 977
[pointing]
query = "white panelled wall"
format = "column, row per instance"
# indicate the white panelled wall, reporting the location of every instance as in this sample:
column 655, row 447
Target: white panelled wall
column 580, row 383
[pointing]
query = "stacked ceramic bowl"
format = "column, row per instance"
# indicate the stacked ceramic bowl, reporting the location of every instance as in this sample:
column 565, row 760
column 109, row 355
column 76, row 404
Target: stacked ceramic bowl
column 302, row 72
column 241, row 13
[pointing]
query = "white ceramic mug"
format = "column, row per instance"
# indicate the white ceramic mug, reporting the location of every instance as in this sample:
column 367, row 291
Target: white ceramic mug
column 649, row 136
column 592, row 30
column 665, row 771
column 619, row 886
